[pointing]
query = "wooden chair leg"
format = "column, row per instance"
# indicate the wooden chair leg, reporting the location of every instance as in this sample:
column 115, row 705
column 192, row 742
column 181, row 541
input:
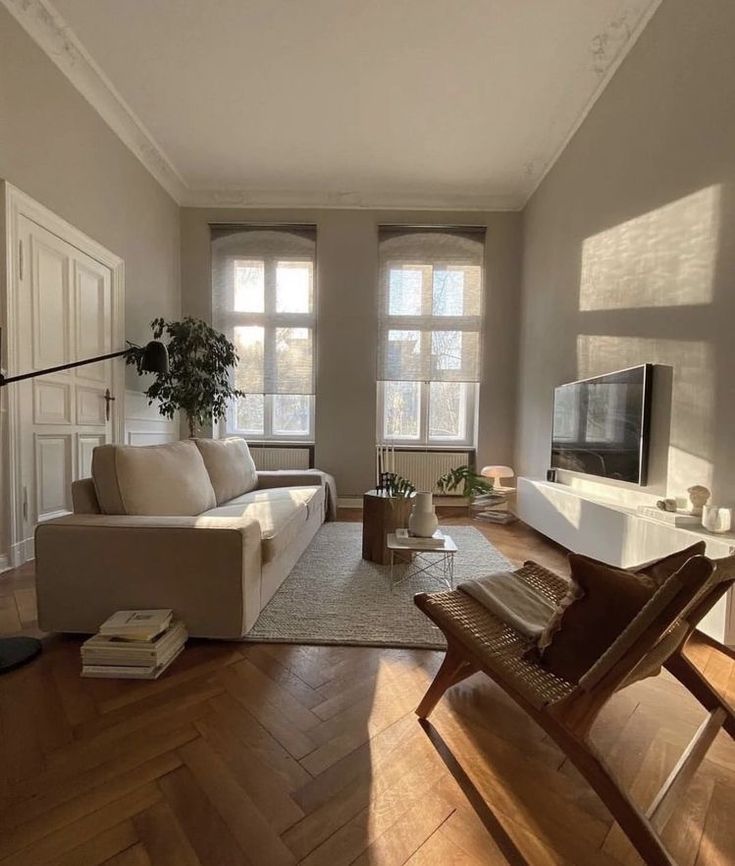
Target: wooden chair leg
column 455, row 668
column 631, row 819
column 692, row 679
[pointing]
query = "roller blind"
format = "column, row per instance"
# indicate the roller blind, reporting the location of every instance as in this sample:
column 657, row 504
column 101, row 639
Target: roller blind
column 263, row 299
column 431, row 304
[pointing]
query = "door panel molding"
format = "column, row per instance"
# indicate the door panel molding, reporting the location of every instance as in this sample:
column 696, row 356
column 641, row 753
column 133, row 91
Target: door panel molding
column 53, row 453
column 51, row 402
column 90, row 406
column 86, row 443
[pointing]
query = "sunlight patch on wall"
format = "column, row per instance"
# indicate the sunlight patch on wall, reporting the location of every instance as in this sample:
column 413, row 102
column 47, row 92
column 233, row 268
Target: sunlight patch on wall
column 663, row 258
column 688, row 447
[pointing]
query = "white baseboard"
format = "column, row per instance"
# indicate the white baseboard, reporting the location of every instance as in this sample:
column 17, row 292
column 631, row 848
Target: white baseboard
column 22, row 552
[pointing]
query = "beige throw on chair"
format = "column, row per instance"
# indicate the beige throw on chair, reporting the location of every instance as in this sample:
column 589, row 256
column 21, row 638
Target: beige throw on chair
column 512, row 600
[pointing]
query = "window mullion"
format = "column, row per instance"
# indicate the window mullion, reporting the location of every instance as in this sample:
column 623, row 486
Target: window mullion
column 269, row 343
column 268, row 416
column 424, row 413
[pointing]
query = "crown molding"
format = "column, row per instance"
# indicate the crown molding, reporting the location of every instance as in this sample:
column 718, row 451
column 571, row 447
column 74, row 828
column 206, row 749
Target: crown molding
column 367, row 200
column 604, row 63
column 55, row 37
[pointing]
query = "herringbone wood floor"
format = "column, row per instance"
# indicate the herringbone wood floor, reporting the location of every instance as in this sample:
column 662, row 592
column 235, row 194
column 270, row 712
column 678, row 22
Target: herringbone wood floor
column 269, row 754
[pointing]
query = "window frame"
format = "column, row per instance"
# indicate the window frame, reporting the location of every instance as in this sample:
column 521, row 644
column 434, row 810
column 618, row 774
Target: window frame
column 271, row 320
column 472, row 391
column 393, row 322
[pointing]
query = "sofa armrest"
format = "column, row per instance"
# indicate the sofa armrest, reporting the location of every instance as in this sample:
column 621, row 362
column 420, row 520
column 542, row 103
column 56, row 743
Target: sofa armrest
column 303, row 478
column 289, row 478
column 84, row 497
column 207, row 569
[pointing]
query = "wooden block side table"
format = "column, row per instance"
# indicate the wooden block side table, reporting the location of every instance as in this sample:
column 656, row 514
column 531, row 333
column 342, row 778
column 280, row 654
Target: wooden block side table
column 381, row 515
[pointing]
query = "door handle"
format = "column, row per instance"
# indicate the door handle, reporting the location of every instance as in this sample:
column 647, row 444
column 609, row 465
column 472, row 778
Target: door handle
column 108, row 399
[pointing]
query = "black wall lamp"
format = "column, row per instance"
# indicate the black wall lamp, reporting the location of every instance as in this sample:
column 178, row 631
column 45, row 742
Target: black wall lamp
column 16, row 651
column 155, row 360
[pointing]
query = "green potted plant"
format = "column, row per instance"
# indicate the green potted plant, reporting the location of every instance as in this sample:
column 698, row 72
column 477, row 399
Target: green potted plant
column 198, row 382
column 472, row 484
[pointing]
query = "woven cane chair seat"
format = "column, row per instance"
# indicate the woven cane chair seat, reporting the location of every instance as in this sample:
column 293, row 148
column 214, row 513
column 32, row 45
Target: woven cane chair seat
column 496, row 644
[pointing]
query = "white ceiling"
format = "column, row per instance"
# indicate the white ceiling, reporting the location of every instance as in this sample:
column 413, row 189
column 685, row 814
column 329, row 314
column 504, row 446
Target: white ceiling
column 372, row 103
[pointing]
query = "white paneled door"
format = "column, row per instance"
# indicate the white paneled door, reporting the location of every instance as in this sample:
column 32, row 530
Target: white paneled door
column 64, row 313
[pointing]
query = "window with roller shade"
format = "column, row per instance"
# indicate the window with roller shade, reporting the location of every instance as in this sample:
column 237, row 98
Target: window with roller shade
column 263, row 300
column 430, row 334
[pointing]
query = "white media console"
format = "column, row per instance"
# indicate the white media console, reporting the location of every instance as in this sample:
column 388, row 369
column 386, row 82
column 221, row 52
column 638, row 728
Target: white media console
column 619, row 535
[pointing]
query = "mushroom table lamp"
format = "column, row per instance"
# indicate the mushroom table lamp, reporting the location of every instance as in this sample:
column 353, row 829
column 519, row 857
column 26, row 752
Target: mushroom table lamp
column 496, row 473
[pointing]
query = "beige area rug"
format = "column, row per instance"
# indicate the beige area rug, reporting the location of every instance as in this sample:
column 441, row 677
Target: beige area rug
column 333, row 596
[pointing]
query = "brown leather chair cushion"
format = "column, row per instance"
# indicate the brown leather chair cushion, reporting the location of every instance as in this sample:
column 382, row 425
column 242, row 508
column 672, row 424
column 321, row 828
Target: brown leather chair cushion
column 601, row 603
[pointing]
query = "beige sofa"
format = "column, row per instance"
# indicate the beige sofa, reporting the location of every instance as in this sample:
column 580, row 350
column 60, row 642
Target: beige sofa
column 190, row 525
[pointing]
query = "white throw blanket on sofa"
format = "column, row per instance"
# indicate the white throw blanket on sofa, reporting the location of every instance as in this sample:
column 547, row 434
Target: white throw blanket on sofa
column 511, row 599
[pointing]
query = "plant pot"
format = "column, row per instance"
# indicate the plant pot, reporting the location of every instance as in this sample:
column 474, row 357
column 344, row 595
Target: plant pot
column 423, row 520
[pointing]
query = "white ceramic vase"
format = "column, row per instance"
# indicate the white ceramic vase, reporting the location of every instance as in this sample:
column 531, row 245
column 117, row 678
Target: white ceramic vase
column 423, row 520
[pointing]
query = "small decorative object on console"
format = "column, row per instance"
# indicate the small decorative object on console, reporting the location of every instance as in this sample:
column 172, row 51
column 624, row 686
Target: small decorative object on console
column 423, row 520
column 666, row 505
column 699, row 497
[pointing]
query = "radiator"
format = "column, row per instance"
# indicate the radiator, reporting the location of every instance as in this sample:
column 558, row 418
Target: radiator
column 267, row 458
column 422, row 468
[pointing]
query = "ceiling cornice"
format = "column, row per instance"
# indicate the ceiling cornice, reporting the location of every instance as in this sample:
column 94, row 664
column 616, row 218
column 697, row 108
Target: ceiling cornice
column 375, row 200
column 54, row 36
column 605, row 63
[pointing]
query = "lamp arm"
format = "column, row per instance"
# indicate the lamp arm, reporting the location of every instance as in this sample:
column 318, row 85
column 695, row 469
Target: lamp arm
column 4, row 380
column 154, row 360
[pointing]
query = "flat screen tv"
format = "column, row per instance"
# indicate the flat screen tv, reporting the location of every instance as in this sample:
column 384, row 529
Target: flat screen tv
column 601, row 425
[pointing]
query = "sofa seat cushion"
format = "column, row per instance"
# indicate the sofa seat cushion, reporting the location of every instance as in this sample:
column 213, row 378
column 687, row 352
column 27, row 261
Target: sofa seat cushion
column 308, row 495
column 152, row 480
column 281, row 514
column 230, row 466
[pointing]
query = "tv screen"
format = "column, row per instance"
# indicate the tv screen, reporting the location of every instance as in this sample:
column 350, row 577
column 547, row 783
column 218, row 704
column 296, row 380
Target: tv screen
column 601, row 425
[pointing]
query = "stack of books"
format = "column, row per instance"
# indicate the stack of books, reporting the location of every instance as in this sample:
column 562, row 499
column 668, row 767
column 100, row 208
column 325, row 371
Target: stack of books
column 492, row 508
column 404, row 537
column 134, row 644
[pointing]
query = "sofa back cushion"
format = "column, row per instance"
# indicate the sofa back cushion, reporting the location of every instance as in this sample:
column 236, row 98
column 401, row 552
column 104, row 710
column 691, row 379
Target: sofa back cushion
column 230, row 466
column 166, row 479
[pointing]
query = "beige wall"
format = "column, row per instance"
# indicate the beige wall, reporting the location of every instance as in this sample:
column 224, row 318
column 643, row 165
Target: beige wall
column 57, row 149
column 347, row 324
column 629, row 250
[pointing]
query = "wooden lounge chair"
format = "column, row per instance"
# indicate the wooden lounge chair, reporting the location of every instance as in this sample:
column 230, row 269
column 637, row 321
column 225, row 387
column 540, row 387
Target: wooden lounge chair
column 479, row 641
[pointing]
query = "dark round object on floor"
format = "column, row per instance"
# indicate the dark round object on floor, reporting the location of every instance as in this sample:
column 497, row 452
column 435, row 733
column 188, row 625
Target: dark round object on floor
column 16, row 651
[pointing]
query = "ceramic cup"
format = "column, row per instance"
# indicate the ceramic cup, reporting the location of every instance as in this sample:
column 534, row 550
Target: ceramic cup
column 717, row 519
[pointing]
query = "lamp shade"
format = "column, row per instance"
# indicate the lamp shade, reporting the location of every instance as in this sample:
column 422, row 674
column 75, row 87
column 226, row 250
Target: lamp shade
column 497, row 471
column 155, row 358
